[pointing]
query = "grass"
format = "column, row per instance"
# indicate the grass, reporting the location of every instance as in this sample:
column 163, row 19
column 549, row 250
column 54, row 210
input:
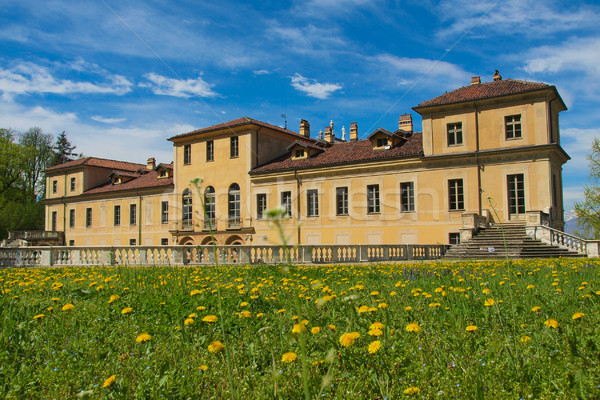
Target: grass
column 512, row 353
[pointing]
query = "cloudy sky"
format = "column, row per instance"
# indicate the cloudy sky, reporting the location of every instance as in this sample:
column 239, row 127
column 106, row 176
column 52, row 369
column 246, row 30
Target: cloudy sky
column 120, row 77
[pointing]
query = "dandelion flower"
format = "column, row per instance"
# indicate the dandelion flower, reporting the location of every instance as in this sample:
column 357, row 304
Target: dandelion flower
column 210, row 318
column 536, row 308
column 113, row 298
column 375, row 332
column 551, row 323
column 289, row 357
column 382, row 305
column 374, row 347
column 530, row 286
column 259, row 315
column 408, row 308
column 471, row 328
column 298, row 328
column 489, row 302
column 377, row 325
column 412, row 390
column 578, row 315
column 216, row 347
column 413, row 327
column 195, row 292
column 188, row 321
column 348, row 339
column 363, row 309
column 331, row 326
column 243, row 304
column 109, row 381
column 42, row 315
column 281, row 311
column 192, row 315
column 525, row 339
column 245, row 314
column 68, row 306
column 144, row 337
column 315, row 330
column 126, row 310
column 49, row 308
column 200, row 308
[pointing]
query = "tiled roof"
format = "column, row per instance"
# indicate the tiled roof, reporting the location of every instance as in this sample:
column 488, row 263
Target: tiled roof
column 345, row 153
column 144, row 181
column 98, row 162
column 484, row 91
column 235, row 123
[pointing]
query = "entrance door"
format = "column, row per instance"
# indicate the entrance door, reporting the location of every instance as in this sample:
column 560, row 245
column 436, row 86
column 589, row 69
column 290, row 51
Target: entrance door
column 516, row 196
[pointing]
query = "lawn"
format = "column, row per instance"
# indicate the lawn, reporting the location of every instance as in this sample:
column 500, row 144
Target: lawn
column 528, row 329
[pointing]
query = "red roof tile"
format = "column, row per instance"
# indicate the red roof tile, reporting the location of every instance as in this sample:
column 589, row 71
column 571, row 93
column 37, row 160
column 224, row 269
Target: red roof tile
column 484, row 91
column 345, row 153
column 235, row 123
column 98, row 162
column 144, row 181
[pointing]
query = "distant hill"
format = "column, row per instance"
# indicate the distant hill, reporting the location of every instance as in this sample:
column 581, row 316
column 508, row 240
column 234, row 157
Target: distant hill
column 570, row 222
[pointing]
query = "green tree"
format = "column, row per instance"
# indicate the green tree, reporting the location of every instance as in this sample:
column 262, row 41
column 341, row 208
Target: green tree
column 13, row 160
column 37, row 148
column 588, row 211
column 63, row 150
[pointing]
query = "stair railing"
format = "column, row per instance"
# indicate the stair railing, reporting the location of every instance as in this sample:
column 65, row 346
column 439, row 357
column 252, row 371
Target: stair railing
column 558, row 238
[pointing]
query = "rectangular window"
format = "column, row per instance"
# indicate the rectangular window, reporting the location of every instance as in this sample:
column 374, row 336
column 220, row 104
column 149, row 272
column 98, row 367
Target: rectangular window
column 456, row 196
column 312, row 202
column 454, row 238
column 516, row 194
column 132, row 242
column 407, row 196
column 261, row 205
column 455, row 134
column 373, row 199
column 164, row 241
column 210, row 150
column 88, row 217
column 72, row 218
column 72, row 184
column 54, row 186
column 513, row 126
column 286, row 202
column 164, row 212
column 382, row 142
column 117, row 215
column 341, row 200
column 132, row 214
column 54, row 219
column 187, row 154
column 71, row 243
column 234, row 150
column 299, row 153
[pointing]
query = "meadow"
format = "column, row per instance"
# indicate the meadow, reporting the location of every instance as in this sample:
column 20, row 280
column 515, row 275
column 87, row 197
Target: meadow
column 524, row 329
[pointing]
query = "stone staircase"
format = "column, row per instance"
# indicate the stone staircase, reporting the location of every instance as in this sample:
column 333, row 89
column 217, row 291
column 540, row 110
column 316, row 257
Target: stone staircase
column 489, row 244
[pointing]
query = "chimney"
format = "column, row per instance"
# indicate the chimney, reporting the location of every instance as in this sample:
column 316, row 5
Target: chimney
column 151, row 164
column 353, row 132
column 476, row 80
column 329, row 137
column 405, row 123
column 497, row 76
column 304, row 128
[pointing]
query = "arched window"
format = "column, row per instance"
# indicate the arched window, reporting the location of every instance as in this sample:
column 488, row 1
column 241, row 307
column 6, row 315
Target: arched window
column 234, row 206
column 186, row 200
column 209, row 208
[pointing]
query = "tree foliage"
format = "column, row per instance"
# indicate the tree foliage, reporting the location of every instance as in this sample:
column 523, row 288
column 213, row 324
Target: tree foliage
column 588, row 211
column 63, row 150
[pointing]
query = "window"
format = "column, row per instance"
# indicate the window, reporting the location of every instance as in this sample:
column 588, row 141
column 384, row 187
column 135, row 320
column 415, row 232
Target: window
column 341, row 200
column 164, row 212
column 54, row 219
column 516, row 194
column 186, row 201
column 455, row 134
column 71, row 243
column 513, row 126
column 209, row 208
column 382, row 142
column 286, row 202
column 132, row 214
column 312, row 202
column 299, row 153
column 72, row 184
column 454, row 238
column 261, row 205
column 88, row 217
column 132, row 242
column 117, row 215
column 456, row 197
column 234, row 205
column 407, row 196
column 187, row 154
column 72, row 218
column 234, row 150
column 54, row 186
column 373, row 199
column 210, row 150
column 164, row 241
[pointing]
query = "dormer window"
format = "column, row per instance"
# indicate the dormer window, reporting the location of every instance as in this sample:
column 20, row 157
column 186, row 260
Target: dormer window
column 116, row 180
column 382, row 142
column 162, row 172
column 299, row 153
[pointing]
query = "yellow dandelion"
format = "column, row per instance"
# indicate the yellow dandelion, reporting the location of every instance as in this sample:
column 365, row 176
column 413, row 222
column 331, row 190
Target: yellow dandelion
column 363, row 309
column 244, row 304
column 489, row 302
column 551, row 323
column 109, row 381
column 200, row 308
column 525, row 339
column 382, row 305
column 192, row 315
column 55, row 299
column 113, row 298
column 578, row 315
column 216, row 347
column 485, row 291
column 210, row 318
column 245, row 314
column 530, row 286
column 289, row 357
column 203, row 368
column 188, row 321
column 331, row 326
column 377, row 325
column 143, row 337
column 259, row 315
column 281, row 311
column 49, row 308
column 374, row 293
column 195, row 292
column 471, row 328
column 412, row 390
column 38, row 316
column 536, row 308
column 375, row 332
column 304, row 322
column 374, row 347
column 68, row 306
column 315, row 330
column 298, row 328
column 126, row 310
column 413, row 327
column 407, row 308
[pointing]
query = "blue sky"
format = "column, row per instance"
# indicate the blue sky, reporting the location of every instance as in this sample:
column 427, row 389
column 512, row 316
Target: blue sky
column 120, row 77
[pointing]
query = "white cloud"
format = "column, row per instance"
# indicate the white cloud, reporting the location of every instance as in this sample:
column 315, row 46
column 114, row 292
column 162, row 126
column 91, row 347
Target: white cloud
column 107, row 120
column 29, row 78
column 307, row 40
column 578, row 144
column 178, row 87
column 313, row 88
column 577, row 54
column 261, row 72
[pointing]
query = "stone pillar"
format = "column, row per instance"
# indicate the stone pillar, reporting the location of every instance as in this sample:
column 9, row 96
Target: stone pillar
column 177, row 256
column 107, row 256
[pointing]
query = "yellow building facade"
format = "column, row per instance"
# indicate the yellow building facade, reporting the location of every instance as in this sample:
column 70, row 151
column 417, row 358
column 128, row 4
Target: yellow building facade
column 487, row 149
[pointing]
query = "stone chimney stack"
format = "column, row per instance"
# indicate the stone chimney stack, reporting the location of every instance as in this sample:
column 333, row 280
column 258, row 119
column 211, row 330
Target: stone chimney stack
column 405, row 123
column 497, row 76
column 329, row 136
column 151, row 164
column 353, row 132
column 476, row 80
column 304, row 128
